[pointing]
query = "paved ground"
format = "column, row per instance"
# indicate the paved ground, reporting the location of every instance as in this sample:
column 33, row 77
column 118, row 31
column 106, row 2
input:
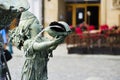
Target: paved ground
column 72, row 67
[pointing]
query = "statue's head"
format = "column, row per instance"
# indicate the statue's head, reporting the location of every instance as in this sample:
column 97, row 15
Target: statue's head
column 11, row 9
column 59, row 28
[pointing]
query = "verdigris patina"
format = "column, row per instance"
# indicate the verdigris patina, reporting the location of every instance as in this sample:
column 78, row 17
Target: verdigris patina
column 37, row 48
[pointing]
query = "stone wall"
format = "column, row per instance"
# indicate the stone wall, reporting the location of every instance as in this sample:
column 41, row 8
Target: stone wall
column 109, row 14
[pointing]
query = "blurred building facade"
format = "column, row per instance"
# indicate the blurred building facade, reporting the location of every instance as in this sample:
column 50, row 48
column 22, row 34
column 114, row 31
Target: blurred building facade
column 74, row 12
column 54, row 10
column 93, row 12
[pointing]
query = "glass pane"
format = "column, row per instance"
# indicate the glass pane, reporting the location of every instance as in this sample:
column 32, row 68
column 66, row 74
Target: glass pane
column 80, row 15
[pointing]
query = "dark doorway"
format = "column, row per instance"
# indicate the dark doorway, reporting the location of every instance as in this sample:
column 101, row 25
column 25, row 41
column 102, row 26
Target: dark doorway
column 93, row 19
column 80, row 17
column 69, row 15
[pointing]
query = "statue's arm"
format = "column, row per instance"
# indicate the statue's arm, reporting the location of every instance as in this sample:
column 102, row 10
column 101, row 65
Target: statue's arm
column 47, row 44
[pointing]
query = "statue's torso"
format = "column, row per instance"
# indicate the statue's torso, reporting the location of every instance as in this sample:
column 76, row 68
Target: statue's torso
column 35, row 67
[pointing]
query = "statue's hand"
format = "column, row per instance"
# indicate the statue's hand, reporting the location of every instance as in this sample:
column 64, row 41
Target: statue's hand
column 58, row 40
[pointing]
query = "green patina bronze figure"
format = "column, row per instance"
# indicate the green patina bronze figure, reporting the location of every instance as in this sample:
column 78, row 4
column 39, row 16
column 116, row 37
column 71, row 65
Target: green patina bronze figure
column 37, row 48
column 28, row 34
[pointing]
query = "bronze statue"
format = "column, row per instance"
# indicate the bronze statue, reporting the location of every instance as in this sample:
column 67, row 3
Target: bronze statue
column 37, row 48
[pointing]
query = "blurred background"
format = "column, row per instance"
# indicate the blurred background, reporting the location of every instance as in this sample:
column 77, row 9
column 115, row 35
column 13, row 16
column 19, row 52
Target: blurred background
column 74, row 12
column 91, row 51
